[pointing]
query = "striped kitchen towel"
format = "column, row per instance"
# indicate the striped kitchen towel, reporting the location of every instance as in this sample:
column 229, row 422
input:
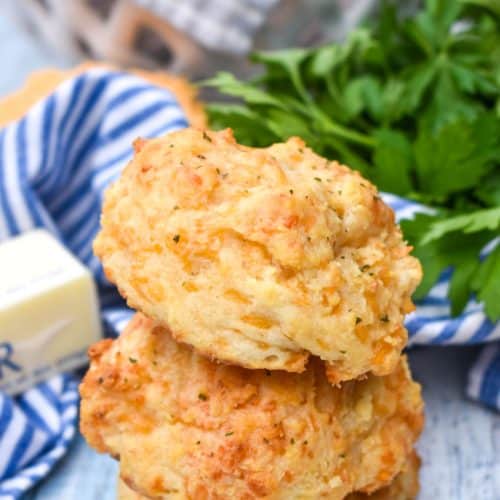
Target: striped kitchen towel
column 54, row 165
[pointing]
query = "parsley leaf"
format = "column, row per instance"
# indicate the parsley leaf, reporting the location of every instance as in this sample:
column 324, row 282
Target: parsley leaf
column 458, row 250
column 393, row 161
column 489, row 190
column 485, row 283
column 228, row 84
column 242, row 120
column 458, row 156
column 467, row 223
column 413, row 103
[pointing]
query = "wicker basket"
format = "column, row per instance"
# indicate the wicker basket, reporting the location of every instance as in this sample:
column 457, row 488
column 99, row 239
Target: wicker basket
column 189, row 36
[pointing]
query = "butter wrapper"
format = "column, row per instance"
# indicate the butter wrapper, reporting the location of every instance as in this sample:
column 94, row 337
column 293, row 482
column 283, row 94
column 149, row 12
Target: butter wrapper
column 49, row 311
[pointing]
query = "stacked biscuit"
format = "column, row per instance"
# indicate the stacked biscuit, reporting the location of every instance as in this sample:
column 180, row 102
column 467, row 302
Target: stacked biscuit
column 265, row 359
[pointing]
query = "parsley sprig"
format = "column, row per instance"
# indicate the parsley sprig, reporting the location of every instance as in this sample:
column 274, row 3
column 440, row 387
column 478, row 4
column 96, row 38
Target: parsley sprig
column 414, row 105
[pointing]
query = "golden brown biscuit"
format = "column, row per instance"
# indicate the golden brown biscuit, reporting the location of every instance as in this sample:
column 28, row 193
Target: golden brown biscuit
column 259, row 257
column 185, row 427
column 41, row 83
column 404, row 487
column 124, row 492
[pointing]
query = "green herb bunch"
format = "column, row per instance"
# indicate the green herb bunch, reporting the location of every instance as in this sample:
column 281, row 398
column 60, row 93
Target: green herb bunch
column 414, row 105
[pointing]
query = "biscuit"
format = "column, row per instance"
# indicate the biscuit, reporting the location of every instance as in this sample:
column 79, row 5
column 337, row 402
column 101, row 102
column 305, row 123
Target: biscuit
column 183, row 426
column 405, row 486
column 259, row 257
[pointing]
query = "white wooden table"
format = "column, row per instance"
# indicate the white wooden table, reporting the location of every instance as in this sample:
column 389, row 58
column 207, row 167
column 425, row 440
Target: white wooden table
column 461, row 443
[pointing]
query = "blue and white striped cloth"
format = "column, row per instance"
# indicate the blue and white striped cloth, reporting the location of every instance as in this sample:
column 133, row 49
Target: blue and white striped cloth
column 54, row 165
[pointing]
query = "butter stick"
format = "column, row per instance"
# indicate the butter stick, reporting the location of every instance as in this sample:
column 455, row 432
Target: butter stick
column 49, row 311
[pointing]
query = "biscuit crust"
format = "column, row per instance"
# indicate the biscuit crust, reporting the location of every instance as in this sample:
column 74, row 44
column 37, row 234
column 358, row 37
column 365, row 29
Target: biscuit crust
column 259, row 257
column 184, row 427
column 405, row 486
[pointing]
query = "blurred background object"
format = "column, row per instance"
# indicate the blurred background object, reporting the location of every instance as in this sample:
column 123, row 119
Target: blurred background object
column 193, row 36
